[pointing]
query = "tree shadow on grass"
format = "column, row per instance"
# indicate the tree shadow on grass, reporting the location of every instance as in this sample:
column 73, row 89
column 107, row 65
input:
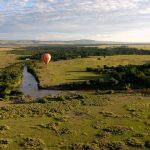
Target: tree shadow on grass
column 147, row 62
column 76, row 71
column 85, row 78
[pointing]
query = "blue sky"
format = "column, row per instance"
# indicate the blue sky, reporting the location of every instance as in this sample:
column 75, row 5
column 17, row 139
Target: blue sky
column 104, row 20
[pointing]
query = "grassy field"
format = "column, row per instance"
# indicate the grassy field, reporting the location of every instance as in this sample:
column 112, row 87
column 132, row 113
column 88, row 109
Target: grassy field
column 93, row 123
column 83, row 120
column 65, row 71
column 6, row 58
column 144, row 47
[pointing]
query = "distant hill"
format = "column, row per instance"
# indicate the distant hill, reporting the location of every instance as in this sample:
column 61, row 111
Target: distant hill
column 73, row 42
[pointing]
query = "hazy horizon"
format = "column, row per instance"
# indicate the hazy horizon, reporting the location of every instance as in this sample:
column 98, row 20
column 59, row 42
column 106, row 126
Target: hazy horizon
column 65, row 20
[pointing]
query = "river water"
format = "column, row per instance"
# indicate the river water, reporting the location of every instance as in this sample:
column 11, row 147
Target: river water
column 29, row 86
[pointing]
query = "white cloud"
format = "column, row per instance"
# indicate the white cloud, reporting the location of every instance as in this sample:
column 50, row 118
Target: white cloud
column 145, row 11
column 134, row 35
column 74, row 18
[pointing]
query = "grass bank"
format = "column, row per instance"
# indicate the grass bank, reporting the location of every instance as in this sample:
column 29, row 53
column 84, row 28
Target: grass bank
column 66, row 71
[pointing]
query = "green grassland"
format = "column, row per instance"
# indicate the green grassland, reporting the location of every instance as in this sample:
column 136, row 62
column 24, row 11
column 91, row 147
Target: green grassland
column 138, row 46
column 93, row 122
column 74, row 70
column 6, row 58
column 145, row 47
column 77, row 120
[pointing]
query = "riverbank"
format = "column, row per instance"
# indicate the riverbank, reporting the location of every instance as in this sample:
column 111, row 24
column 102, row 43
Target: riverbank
column 30, row 86
column 10, row 79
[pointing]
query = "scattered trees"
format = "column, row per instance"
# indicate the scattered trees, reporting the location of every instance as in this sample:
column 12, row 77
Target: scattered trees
column 121, row 77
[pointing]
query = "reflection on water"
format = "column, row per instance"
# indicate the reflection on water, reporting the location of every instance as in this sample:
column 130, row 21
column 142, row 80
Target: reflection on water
column 29, row 86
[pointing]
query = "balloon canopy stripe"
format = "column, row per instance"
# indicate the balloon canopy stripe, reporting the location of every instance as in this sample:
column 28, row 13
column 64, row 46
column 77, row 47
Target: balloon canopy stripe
column 46, row 58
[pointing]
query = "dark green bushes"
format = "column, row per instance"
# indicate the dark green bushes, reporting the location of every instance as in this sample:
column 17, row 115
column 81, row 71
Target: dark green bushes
column 147, row 143
column 33, row 143
column 134, row 142
column 4, row 143
column 82, row 147
column 10, row 78
column 42, row 100
column 116, row 130
column 68, row 97
column 3, row 128
column 122, row 77
column 117, row 78
column 117, row 145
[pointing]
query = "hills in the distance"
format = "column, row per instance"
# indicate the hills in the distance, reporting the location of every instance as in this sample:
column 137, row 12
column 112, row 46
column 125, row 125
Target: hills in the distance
column 73, row 42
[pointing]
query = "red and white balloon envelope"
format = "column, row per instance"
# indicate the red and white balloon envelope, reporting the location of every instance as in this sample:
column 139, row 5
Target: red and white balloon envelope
column 46, row 58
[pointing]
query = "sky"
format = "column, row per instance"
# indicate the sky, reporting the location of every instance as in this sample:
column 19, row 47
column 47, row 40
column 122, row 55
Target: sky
column 61, row 20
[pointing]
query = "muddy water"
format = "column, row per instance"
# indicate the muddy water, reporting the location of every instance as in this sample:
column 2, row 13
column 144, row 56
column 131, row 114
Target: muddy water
column 29, row 86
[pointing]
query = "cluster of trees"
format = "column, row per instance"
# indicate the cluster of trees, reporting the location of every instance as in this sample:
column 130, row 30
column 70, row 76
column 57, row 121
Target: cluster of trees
column 10, row 78
column 70, row 52
column 119, row 78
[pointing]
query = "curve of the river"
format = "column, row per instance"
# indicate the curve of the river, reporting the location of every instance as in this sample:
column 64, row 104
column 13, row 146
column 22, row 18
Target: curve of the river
column 29, row 86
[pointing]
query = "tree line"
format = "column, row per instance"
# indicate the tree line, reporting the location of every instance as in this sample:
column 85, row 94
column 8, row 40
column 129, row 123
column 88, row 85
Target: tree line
column 71, row 52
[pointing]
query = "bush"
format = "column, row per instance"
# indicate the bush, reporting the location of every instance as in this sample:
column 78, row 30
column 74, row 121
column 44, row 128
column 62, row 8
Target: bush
column 118, row 78
column 117, row 146
column 110, row 92
column 134, row 142
column 4, row 128
column 138, row 135
column 4, row 143
column 33, row 143
column 16, row 92
column 43, row 100
column 79, row 96
column 102, row 134
column 147, row 123
column 60, row 98
column 107, row 114
column 10, row 78
column 116, row 130
column 63, row 131
column 82, row 147
column 147, row 143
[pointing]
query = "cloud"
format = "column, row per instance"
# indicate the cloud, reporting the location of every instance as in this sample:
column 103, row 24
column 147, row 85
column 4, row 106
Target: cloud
column 145, row 11
column 72, row 18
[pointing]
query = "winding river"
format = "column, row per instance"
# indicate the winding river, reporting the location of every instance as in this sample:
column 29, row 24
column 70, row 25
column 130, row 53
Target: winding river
column 29, row 86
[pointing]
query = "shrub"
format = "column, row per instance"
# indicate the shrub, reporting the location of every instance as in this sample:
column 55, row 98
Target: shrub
column 102, row 134
column 10, row 78
column 16, row 92
column 117, row 145
column 60, row 98
column 82, row 147
column 147, row 123
column 79, row 96
column 116, row 130
column 33, row 143
column 107, row 114
column 134, row 142
column 147, row 143
column 64, row 131
column 4, row 128
column 43, row 100
column 110, row 92
column 4, row 144
column 138, row 135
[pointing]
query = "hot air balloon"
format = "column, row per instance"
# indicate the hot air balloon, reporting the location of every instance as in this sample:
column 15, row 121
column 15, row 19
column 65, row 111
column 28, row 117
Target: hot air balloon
column 46, row 58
